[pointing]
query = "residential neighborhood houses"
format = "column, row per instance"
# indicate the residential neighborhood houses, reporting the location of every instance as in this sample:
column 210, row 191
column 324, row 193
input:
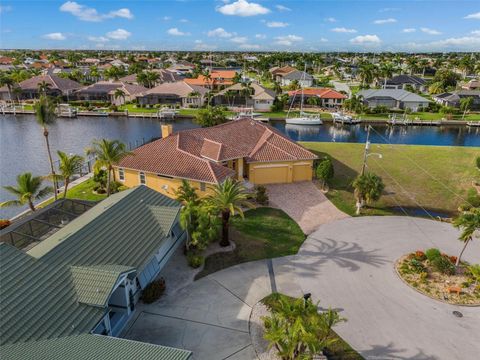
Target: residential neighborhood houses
column 393, row 99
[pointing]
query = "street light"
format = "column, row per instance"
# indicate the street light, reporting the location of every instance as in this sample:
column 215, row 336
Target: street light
column 366, row 153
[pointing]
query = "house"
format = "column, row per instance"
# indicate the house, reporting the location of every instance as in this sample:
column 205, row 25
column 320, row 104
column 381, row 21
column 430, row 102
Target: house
column 453, row 98
column 327, row 97
column 404, row 82
column 304, row 79
column 261, row 99
column 178, row 93
column 245, row 149
column 85, row 279
column 164, row 76
column 219, row 79
column 106, row 91
column 393, row 99
column 29, row 88
column 472, row 85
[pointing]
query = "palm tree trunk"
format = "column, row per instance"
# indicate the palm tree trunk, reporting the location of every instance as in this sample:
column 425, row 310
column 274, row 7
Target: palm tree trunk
column 67, row 181
column 113, row 172
column 225, row 223
column 45, row 133
column 108, row 182
column 30, row 205
column 461, row 252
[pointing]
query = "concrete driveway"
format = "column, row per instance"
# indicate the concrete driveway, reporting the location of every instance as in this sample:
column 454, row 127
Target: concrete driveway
column 304, row 203
column 348, row 265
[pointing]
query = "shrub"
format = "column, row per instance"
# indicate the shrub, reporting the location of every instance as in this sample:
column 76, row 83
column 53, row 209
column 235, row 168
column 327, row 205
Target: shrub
column 261, row 195
column 195, row 261
column 420, row 255
column 417, row 267
column 325, row 171
column 443, row 265
column 453, row 259
column 153, row 291
column 432, row 254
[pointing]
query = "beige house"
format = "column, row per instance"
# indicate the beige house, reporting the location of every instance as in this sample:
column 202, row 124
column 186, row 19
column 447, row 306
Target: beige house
column 260, row 99
column 178, row 93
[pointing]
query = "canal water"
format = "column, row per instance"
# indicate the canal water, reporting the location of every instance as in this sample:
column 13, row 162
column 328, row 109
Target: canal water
column 22, row 145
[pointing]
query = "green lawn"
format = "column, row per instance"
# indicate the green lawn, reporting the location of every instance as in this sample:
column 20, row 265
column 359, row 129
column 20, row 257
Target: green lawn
column 452, row 166
column 133, row 109
column 82, row 191
column 338, row 350
column 263, row 233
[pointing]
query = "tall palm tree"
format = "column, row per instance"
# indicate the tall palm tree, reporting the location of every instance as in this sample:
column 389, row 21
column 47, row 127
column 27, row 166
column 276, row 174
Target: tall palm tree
column 28, row 189
column 45, row 113
column 108, row 153
column 247, row 91
column 94, row 73
column 119, row 93
column 469, row 223
column 228, row 198
column 69, row 165
column 368, row 188
column 6, row 80
column 152, row 78
column 208, row 79
column 43, row 87
column 386, row 70
column 187, row 195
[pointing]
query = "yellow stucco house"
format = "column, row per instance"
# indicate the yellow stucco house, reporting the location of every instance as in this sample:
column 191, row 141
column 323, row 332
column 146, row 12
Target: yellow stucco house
column 245, row 149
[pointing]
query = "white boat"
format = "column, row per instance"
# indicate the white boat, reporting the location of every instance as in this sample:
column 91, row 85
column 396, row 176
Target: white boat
column 344, row 119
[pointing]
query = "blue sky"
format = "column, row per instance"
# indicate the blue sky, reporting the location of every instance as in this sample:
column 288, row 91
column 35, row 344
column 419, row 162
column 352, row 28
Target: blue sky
column 242, row 25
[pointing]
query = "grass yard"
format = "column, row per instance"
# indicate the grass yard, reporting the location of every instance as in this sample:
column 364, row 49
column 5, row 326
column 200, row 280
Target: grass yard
column 133, row 109
column 452, row 166
column 82, row 191
column 264, row 233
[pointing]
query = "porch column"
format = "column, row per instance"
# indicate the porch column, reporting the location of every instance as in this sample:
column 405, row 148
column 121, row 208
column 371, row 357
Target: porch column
column 240, row 169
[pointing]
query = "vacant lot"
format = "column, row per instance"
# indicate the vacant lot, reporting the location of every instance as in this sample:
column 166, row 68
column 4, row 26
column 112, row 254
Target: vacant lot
column 436, row 177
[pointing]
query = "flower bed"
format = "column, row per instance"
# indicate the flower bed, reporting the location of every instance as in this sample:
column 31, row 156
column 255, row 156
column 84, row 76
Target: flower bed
column 435, row 275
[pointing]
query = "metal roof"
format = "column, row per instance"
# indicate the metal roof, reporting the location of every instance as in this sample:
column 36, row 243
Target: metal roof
column 396, row 94
column 89, row 346
column 38, row 298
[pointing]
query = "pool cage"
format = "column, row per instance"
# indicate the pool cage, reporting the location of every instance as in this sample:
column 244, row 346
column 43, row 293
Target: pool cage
column 28, row 231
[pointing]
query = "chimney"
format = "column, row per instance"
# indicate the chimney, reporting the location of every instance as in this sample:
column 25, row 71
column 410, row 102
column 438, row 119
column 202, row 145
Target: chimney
column 167, row 130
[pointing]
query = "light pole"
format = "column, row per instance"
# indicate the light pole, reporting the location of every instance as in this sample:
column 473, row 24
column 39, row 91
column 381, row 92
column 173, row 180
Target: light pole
column 366, row 152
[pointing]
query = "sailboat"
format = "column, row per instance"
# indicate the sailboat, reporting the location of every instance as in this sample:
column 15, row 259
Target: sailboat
column 303, row 118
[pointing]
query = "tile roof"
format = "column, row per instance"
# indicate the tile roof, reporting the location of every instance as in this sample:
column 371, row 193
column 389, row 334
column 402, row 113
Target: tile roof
column 323, row 93
column 179, row 88
column 298, row 75
column 259, row 92
column 91, row 347
column 406, row 79
column 38, row 297
column 196, row 154
column 218, row 77
column 55, row 82
column 396, row 94
column 109, row 87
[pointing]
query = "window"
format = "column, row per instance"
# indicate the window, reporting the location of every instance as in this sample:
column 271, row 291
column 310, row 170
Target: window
column 121, row 174
column 202, row 186
column 142, row 178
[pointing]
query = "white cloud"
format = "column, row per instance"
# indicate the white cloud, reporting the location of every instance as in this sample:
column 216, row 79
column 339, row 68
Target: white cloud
column 99, row 39
column 409, row 30
column 344, row 30
column 119, row 34
column 239, row 39
column 85, row 13
column 54, row 36
column 331, row 19
column 385, row 21
column 475, row 16
column 176, row 32
column 167, row 18
column 200, row 45
column 430, row 31
column 471, row 42
column 475, row 32
column 249, row 46
column 287, row 40
column 219, row 32
column 260, row 36
column 184, row 20
column 282, row 8
column 324, row 40
column 276, row 24
column 366, row 40
column 243, row 8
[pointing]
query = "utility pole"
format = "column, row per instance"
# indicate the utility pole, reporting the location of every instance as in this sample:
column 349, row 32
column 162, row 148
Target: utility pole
column 365, row 153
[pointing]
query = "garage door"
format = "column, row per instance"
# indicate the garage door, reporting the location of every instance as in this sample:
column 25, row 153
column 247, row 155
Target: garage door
column 302, row 172
column 271, row 175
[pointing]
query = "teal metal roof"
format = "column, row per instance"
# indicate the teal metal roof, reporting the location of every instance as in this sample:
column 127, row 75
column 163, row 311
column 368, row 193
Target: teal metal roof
column 87, row 346
column 38, row 298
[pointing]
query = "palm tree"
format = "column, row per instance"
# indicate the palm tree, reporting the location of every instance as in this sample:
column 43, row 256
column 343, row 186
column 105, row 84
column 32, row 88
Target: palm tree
column 469, row 224
column 151, row 78
column 247, row 91
column 29, row 188
column 6, row 80
column 108, row 153
column 69, row 165
column 119, row 93
column 43, row 87
column 187, row 195
column 94, row 73
column 386, row 70
column 208, row 79
column 227, row 199
column 45, row 113
column 465, row 105
column 368, row 188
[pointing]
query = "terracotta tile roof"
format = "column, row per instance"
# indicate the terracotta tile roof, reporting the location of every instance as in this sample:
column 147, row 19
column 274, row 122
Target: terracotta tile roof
column 218, row 77
column 323, row 93
column 197, row 154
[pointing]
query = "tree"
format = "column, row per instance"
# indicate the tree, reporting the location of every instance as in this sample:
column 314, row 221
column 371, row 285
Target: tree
column 108, row 153
column 368, row 188
column 465, row 105
column 6, row 80
column 210, row 116
column 45, row 113
column 114, row 73
column 69, row 165
column 469, row 224
column 227, row 199
column 294, row 85
column 247, row 91
column 119, row 93
column 386, row 70
column 313, row 101
column 29, row 188
column 325, row 171
column 43, row 87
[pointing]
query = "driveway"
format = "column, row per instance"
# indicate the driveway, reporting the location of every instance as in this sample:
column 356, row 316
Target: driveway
column 304, row 203
column 348, row 265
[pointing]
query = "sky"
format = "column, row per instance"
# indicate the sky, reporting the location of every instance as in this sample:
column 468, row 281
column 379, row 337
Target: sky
column 242, row 25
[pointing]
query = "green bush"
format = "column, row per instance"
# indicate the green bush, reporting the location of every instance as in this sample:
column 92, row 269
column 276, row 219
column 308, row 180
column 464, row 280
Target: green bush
column 153, row 291
column 417, row 267
column 195, row 261
column 432, row 254
column 443, row 265
column 261, row 196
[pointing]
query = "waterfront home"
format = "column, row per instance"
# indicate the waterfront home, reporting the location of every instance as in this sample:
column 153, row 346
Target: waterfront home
column 29, row 88
column 219, row 79
column 393, row 99
column 404, row 82
column 164, row 76
column 260, row 98
column 473, row 84
column 85, row 279
column 107, row 91
column 453, row 98
column 286, row 75
column 174, row 93
column 245, row 149
column 326, row 97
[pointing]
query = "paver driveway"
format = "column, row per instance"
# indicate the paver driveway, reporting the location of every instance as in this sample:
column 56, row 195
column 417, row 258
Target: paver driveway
column 348, row 265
